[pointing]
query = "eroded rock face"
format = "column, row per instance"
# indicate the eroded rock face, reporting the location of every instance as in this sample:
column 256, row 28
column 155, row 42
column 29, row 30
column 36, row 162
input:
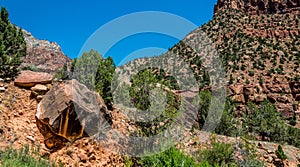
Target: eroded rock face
column 29, row 78
column 46, row 56
column 70, row 111
column 283, row 95
column 259, row 6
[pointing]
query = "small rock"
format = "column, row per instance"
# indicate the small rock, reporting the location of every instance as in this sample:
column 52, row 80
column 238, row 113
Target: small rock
column 90, row 150
column 277, row 160
column 30, row 138
column 41, row 89
column 280, row 53
column 39, row 97
column 44, row 153
column 49, row 86
column 33, row 94
column 82, row 157
column 270, row 159
column 2, row 89
column 259, row 145
column 92, row 158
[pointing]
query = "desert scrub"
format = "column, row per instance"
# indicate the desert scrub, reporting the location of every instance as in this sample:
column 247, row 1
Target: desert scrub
column 22, row 158
column 220, row 154
column 169, row 158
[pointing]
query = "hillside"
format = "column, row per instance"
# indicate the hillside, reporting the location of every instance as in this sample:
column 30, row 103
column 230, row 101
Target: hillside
column 260, row 54
column 258, row 45
column 249, row 50
column 43, row 55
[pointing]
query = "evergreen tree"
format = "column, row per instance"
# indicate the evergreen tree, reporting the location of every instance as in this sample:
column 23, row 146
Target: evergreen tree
column 12, row 46
column 142, row 84
column 96, row 73
column 104, row 78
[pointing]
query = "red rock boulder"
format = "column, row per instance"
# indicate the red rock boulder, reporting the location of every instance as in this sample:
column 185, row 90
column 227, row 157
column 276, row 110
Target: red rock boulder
column 28, row 79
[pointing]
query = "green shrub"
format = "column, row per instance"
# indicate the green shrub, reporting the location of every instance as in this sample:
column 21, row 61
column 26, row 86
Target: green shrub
column 31, row 67
column 293, row 120
column 266, row 122
column 231, row 79
column 220, row 154
column 62, row 73
column 228, row 123
column 22, row 158
column 251, row 73
column 203, row 100
column 170, row 158
column 249, row 152
column 280, row 153
column 139, row 91
column 142, row 84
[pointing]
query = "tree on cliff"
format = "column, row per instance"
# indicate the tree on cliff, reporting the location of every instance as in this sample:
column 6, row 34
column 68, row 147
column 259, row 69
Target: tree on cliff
column 12, row 46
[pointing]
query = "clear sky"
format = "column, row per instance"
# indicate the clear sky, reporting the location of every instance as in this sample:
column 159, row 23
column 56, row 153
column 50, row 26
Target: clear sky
column 71, row 23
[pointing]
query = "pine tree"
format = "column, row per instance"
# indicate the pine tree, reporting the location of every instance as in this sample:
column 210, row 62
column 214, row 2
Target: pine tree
column 96, row 73
column 12, row 46
column 104, row 78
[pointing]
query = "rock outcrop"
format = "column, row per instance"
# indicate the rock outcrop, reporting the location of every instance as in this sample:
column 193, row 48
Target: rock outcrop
column 259, row 6
column 70, row 111
column 44, row 55
column 284, row 95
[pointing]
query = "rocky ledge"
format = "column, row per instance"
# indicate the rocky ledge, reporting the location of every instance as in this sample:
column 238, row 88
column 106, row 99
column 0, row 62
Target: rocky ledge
column 259, row 6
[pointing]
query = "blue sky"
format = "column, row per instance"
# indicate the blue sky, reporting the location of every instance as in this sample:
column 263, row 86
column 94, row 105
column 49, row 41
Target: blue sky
column 71, row 23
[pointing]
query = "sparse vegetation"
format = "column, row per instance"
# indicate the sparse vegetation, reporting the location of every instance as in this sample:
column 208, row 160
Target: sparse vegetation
column 142, row 84
column 220, row 154
column 169, row 158
column 24, row 157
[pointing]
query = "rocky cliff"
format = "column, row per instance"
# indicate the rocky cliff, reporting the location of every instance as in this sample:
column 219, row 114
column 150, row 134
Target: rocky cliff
column 43, row 55
column 259, row 6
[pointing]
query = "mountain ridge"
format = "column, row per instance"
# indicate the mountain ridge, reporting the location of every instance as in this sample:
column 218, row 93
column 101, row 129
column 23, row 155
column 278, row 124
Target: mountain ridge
column 256, row 7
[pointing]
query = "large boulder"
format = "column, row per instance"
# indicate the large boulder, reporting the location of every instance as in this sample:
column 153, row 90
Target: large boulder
column 70, row 111
column 29, row 78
